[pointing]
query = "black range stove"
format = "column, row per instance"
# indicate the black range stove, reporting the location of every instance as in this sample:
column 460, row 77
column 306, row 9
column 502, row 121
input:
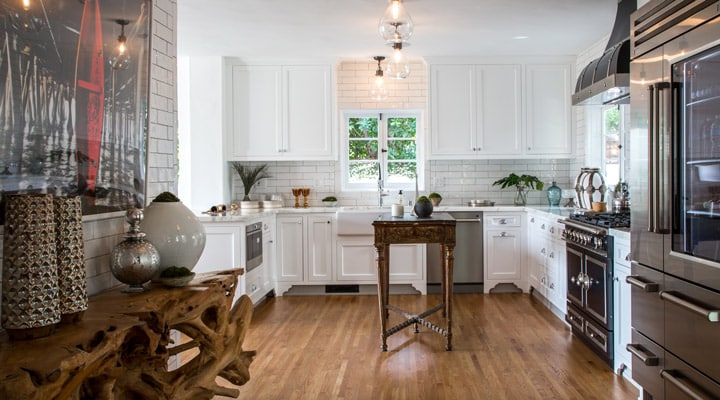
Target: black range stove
column 589, row 258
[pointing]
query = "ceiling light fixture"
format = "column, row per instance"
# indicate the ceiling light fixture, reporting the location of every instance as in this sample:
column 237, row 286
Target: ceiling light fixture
column 395, row 25
column 26, row 5
column 397, row 67
column 122, row 40
column 378, row 92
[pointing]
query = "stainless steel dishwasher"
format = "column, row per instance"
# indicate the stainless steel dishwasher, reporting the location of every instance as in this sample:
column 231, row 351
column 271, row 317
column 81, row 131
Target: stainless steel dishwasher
column 468, row 268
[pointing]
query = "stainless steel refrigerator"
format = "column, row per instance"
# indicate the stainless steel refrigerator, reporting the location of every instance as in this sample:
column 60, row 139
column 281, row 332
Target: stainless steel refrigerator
column 675, row 181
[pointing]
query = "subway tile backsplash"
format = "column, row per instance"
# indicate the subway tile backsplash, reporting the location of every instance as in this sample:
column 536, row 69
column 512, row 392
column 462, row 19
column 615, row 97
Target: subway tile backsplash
column 457, row 181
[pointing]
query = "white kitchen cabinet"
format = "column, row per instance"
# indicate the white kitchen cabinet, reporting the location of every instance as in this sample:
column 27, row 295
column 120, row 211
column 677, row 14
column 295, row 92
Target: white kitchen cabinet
column 290, row 248
column 476, row 110
column 548, row 90
column 504, row 249
column 546, row 259
column 223, row 247
column 280, row 113
column 305, row 246
column 356, row 261
column 621, row 303
column 320, row 239
column 510, row 110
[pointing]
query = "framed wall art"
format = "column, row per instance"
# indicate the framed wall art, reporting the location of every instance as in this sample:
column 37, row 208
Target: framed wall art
column 74, row 91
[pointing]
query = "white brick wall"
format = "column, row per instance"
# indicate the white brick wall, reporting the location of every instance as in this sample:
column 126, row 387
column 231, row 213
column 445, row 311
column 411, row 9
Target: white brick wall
column 103, row 232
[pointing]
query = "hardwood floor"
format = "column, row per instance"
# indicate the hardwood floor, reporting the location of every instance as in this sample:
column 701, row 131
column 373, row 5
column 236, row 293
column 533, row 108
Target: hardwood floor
column 505, row 346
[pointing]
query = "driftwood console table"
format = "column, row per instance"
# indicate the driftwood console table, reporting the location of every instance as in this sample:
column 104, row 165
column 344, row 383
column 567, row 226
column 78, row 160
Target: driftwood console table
column 121, row 348
column 439, row 228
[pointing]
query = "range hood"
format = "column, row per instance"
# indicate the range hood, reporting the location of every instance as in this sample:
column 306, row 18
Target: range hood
column 606, row 80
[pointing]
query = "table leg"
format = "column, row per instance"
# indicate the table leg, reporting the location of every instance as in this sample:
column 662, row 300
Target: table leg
column 443, row 274
column 448, row 293
column 382, row 289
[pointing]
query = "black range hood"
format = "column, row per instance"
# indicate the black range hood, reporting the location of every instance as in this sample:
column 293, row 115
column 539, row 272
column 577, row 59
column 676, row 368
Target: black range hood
column 606, row 80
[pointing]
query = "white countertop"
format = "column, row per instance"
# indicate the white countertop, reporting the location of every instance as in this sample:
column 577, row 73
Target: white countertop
column 246, row 215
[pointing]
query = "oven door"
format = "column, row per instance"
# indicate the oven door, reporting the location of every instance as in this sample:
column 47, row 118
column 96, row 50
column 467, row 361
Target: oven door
column 253, row 246
column 598, row 289
column 575, row 273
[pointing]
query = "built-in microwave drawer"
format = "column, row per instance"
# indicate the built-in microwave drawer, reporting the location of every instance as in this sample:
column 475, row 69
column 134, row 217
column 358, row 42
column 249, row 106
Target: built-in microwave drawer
column 648, row 359
column 685, row 382
column 692, row 329
column 648, row 311
column 502, row 220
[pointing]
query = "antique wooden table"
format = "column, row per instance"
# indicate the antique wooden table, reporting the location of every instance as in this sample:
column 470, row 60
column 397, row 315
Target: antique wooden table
column 438, row 228
column 121, row 348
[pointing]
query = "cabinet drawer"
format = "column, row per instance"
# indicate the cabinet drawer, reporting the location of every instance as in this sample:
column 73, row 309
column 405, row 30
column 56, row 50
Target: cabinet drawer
column 622, row 253
column 692, row 328
column 502, row 220
column 253, row 285
column 685, row 382
column 648, row 359
column 647, row 315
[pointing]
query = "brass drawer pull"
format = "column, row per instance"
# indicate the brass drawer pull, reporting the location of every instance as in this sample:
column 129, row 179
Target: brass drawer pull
column 711, row 315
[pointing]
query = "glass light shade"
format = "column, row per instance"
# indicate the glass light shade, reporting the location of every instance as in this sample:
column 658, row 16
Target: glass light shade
column 395, row 25
column 397, row 67
column 378, row 92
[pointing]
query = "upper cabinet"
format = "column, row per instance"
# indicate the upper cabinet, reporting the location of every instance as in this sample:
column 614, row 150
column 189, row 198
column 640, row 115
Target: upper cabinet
column 476, row 110
column 279, row 113
column 500, row 111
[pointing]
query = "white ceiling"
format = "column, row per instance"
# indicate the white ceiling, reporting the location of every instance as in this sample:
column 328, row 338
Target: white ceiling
column 295, row 29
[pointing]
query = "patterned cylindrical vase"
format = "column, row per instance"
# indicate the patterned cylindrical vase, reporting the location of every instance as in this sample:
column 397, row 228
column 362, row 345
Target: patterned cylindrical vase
column 70, row 250
column 30, row 279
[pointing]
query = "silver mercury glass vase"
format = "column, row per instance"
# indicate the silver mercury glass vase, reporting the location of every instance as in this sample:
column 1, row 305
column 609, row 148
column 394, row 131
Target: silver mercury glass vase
column 135, row 260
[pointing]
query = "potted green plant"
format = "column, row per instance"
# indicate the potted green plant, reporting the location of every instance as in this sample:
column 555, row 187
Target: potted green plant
column 250, row 176
column 435, row 198
column 423, row 207
column 330, row 201
column 522, row 183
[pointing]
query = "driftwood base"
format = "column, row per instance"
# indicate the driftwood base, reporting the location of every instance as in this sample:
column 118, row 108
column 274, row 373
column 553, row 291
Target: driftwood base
column 121, row 348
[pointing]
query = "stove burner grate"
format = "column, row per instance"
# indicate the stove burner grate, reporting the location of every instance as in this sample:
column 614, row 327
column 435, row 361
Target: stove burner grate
column 603, row 220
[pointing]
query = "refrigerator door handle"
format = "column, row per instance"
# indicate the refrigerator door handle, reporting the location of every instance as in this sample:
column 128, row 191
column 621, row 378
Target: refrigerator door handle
column 658, row 159
column 652, row 128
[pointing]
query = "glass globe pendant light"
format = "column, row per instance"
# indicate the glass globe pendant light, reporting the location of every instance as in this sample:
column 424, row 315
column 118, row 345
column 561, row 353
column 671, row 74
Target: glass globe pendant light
column 395, row 25
column 378, row 92
column 397, row 67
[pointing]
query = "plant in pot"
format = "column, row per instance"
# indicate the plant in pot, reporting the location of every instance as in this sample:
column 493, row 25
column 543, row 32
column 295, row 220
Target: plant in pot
column 250, row 176
column 435, row 198
column 522, row 183
column 330, row 201
column 423, row 207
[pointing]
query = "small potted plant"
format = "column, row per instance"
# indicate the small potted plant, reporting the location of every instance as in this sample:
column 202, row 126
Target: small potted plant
column 250, row 176
column 423, row 207
column 522, row 184
column 330, row 201
column 435, row 198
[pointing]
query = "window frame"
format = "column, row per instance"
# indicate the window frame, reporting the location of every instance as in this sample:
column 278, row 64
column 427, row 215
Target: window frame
column 383, row 115
column 622, row 140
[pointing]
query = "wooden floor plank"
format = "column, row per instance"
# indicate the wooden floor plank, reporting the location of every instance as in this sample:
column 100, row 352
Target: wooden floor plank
column 505, row 346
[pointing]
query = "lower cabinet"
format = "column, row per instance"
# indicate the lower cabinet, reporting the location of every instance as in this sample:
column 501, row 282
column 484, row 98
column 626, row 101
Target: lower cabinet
column 356, row 261
column 304, row 249
column 225, row 249
column 546, row 259
column 504, row 250
column 621, row 304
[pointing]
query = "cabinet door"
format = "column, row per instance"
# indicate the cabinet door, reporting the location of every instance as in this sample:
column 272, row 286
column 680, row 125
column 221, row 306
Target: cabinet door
column 499, row 109
column 290, row 258
column 623, row 324
column 504, row 249
column 222, row 248
column 548, row 109
column 255, row 113
column 356, row 259
column 453, row 113
column 407, row 262
column 558, row 283
column 307, row 114
column 320, row 243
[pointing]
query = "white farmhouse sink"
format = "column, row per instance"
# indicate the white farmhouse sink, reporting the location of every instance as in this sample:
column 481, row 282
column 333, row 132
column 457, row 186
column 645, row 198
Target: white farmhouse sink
column 357, row 220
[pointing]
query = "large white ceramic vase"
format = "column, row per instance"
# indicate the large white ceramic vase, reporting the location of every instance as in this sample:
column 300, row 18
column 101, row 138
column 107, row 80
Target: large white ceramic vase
column 176, row 233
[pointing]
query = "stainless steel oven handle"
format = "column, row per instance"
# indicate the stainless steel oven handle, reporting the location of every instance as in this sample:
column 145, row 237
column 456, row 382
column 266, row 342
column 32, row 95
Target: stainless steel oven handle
column 645, row 357
column 711, row 315
column 682, row 383
column 644, row 286
column 586, row 228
